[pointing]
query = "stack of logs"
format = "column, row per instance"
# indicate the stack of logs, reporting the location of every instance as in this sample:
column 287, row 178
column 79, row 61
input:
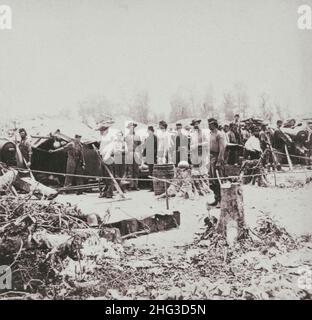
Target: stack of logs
column 11, row 179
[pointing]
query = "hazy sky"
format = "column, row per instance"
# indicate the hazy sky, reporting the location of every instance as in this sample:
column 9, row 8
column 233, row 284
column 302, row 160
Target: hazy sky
column 62, row 51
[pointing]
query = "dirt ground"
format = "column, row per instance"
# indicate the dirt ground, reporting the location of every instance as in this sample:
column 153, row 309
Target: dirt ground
column 180, row 269
column 273, row 259
column 290, row 207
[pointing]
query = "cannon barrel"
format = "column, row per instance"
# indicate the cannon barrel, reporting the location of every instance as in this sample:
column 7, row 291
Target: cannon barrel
column 297, row 134
column 7, row 152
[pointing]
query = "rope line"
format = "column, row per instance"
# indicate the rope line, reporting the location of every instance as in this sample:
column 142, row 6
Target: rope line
column 173, row 179
column 293, row 156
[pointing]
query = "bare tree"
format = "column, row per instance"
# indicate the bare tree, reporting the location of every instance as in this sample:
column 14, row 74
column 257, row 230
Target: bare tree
column 242, row 100
column 228, row 106
column 266, row 112
column 97, row 107
column 181, row 106
column 278, row 110
column 139, row 110
column 208, row 104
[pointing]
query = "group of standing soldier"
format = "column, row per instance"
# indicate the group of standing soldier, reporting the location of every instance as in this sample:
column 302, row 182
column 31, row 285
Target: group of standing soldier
column 203, row 150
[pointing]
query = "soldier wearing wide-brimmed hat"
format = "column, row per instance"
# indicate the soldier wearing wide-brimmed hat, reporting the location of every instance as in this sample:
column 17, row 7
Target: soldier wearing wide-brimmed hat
column 106, row 141
column 180, row 145
column 131, row 125
column 195, row 122
column 164, row 143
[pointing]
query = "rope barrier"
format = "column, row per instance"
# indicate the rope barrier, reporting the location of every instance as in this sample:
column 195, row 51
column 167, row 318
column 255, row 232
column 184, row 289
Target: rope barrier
column 174, row 179
column 293, row 156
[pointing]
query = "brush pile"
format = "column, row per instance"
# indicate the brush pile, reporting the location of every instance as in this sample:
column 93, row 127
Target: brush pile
column 263, row 264
column 251, row 268
column 47, row 245
column 188, row 185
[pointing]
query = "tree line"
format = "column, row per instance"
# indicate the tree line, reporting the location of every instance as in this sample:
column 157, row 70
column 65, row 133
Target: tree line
column 184, row 103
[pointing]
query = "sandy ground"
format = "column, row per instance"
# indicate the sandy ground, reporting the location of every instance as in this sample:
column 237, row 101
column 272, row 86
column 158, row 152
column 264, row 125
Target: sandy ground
column 290, row 207
column 171, row 264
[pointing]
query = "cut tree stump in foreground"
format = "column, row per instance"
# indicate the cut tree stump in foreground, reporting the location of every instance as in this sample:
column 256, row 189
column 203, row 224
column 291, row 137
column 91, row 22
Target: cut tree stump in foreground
column 232, row 220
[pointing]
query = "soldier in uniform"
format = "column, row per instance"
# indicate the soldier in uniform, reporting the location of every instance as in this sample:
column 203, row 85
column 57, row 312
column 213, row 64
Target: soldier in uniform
column 199, row 149
column 164, row 144
column 279, row 137
column 181, row 146
column 133, row 156
column 25, row 147
column 106, row 143
column 217, row 149
column 150, row 151
column 188, row 129
column 75, row 161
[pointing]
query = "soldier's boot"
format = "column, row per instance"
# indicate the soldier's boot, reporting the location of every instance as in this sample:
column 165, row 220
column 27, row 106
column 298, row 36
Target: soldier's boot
column 109, row 192
column 102, row 192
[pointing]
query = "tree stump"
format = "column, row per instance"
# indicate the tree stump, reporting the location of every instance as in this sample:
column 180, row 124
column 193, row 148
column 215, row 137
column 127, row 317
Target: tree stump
column 232, row 220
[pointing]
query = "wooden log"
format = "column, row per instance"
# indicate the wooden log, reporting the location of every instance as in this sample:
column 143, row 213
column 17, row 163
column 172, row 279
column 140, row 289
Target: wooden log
column 232, row 218
column 155, row 223
column 7, row 179
column 29, row 185
column 61, row 245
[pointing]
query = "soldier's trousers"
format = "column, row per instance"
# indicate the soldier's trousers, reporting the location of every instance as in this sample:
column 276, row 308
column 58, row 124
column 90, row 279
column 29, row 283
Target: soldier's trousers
column 150, row 173
column 73, row 167
column 133, row 172
column 215, row 185
column 107, row 190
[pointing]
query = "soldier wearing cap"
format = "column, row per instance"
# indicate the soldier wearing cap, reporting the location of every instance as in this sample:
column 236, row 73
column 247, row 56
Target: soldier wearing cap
column 150, row 151
column 133, row 156
column 217, row 150
column 25, row 147
column 180, row 146
column 75, row 160
column 280, row 139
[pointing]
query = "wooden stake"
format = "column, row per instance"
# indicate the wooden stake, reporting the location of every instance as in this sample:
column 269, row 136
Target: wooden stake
column 167, row 198
column 288, row 159
column 30, row 172
column 118, row 189
column 218, row 176
column 274, row 173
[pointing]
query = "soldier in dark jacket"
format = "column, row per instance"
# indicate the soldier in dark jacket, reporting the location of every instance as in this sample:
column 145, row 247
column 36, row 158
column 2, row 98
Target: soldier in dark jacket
column 180, row 146
column 25, row 147
column 279, row 137
column 75, row 160
column 150, row 151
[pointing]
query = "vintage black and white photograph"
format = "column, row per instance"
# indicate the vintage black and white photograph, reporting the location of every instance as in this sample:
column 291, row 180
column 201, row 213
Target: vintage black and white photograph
column 155, row 150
